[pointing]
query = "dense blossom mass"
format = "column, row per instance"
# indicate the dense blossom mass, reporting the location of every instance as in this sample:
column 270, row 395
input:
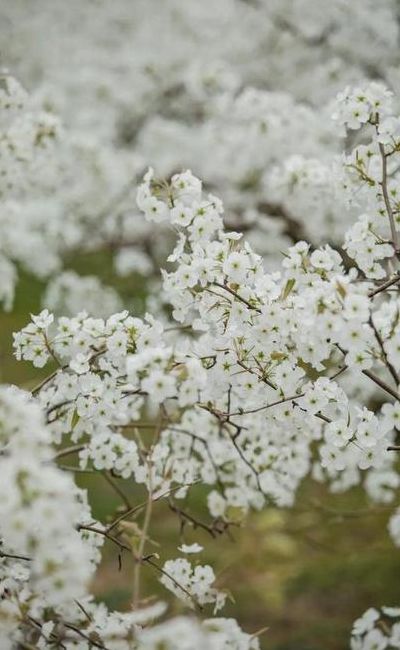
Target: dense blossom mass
column 269, row 347
column 125, row 86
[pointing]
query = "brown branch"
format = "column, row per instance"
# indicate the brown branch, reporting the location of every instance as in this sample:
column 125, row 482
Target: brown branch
column 237, row 296
column 213, row 530
column 386, row 199
column 381, row 384
column 105, row 534
column 140, row 506
column 69, row 450
column 88, row 637
column 382, row 347
column 384, row 285
column 266, row 406
column 151, row 562
column 12, row 556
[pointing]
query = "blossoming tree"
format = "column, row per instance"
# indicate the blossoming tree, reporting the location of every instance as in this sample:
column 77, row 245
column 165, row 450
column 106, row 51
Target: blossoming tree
column 246, row 377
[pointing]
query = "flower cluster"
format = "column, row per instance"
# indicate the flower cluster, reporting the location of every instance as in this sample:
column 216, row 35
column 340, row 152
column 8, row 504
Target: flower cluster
column 193, row 585
column 107, row 369
column 48, row 553
column 45, row 560
column 357, row 106
column 27, row 142
column 184, row 633
column 260, row 330
column 70, row 293
column 377, row 629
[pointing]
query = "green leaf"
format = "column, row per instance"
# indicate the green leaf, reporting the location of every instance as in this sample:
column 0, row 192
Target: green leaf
column 341, row 290
column 288, row 288
column 75, row 419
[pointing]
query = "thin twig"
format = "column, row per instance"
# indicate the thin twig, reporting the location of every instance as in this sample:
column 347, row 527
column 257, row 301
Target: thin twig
column 69, row 450
column 386, row 199
column 389, row 366
column 12, row 556
column 384, row 285
column 237, row 296
column 108, row 477
column 113, row 539
column 88, row 637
